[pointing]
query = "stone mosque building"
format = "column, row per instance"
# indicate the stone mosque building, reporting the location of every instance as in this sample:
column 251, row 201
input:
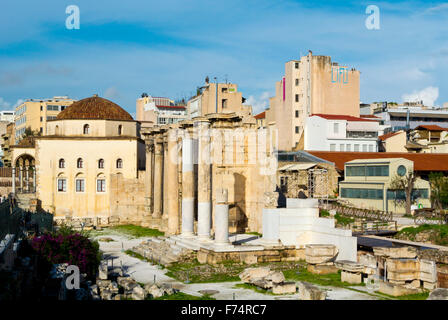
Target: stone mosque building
column 97, row 166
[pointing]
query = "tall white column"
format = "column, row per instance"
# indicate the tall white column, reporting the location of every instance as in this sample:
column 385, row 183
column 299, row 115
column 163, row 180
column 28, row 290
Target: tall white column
column 187, row 188
column 221, row 217
column 204, row 175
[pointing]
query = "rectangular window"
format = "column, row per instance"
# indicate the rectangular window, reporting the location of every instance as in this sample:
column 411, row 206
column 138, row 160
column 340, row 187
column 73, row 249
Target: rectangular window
column 341, row 147
column 297, row 129
column 369, row 171
column 356, row 147
column 79, row 185
column 101, row 185
column 370, row 148
column 62, row 185
column 333, row 147
column 364, row 148
column 297, row 98
column 354, row 193
column 224, row 103
column 349, row 147
column 336, row 127
column 297, row 82
column 297, row 65
column 223, row 90
column 297, row 113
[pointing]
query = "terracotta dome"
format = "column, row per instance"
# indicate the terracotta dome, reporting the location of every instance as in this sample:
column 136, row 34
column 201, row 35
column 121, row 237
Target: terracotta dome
column 94, row 108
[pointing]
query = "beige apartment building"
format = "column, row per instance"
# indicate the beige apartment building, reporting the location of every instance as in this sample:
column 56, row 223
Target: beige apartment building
column 152, row 111
column 217, row 98
column 311, row 85
column 34, row 113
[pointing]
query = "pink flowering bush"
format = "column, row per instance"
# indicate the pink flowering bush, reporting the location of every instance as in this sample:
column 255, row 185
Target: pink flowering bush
column 69, row 247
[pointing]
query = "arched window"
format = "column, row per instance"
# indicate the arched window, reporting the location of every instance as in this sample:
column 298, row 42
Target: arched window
column 101, row 164
column 86, row 129
column 79, row 163
column 120, row 130
column 119, row 163
column 56, row 130
column 61, row 163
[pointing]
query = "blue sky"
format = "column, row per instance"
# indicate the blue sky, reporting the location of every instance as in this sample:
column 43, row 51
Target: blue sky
column 167, row 48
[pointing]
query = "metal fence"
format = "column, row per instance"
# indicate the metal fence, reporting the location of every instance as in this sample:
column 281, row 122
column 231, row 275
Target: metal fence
column 367, row 214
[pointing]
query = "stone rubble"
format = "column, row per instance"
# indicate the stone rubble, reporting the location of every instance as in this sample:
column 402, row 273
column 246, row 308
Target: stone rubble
column 265, row 278
column 163, row 250
column 307, row 291
column 320, row 258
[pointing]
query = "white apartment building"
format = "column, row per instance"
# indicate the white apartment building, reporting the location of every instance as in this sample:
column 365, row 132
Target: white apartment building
column 7, row 116
column 325, row 132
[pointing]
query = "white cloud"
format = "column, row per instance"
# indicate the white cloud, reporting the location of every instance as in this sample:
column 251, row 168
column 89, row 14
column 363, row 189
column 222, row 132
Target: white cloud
column 111, row 93
column 5, row 105
column 440, row 7
column 259, row 104
column 428, row 95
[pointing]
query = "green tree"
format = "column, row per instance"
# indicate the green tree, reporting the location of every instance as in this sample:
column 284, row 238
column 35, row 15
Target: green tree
column 405, row 183
column 439, row 190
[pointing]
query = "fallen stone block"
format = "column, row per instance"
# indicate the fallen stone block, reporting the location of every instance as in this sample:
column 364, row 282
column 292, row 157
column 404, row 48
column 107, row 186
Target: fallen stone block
column 429, row 285
column 138, row 293
column 307, row 291
column 275, row 277
column 320, row 253
column 396, row 290
column 439, row 294
column 349, row 266
column 428, row 270
column 396, row 252
column 102, row 270
column 106, row 295
column 350, row 277
column 154, row 290
column 368, row 260
column 322, row 269
column 250, row 274
column 284, row 288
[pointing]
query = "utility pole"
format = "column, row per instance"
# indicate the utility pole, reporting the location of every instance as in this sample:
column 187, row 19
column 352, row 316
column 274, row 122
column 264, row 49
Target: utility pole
column 216, row 94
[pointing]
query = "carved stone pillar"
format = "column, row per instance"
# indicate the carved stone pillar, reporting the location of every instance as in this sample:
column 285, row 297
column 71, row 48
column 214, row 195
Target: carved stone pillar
column 158, row 166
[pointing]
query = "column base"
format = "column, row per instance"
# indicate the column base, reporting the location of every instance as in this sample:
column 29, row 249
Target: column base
column 188, row 235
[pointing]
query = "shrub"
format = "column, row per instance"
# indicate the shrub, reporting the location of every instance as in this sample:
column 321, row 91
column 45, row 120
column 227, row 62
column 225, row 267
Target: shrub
column 69, row 247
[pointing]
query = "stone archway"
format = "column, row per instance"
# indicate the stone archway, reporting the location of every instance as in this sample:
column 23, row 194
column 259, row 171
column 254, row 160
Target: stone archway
column 25, row 174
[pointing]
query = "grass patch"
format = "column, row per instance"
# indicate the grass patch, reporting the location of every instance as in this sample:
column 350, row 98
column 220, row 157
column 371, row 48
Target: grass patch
column 342, row 220
column 137, row 231
column 202, row 273
column 254, row 288
column 332, row 279
column 255, row 234
column 140, row 257
column 183, row 296
column 418, row 296
column 324, row 213
column 439, row 233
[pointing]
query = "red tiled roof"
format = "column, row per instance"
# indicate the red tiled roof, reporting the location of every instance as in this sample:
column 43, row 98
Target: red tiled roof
column 388, row 135
column 431, row 127
column 261, row 115
column 340, row 117
column 422, row 161
column 371, row 116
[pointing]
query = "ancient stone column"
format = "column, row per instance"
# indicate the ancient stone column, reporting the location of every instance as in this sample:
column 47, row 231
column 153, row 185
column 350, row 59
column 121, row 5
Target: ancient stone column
column 221, row 217
column 158, row 166
column 172, row 183
column 27, row 178
column 187, row 187
column 13, row 180
column 165, row 177
column 34, row 180
column 21, row 178
column 204, row 182
column 148, row 176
